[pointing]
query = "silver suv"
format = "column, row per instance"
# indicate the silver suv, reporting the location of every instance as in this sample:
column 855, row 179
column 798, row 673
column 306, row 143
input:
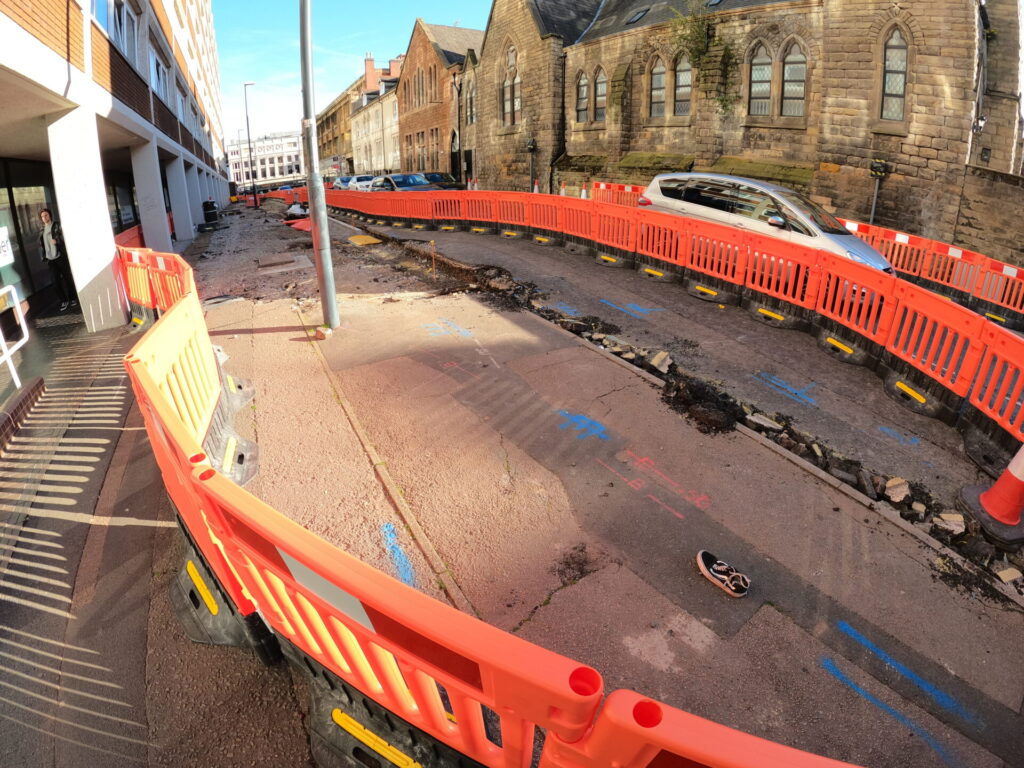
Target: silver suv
column 759, row 207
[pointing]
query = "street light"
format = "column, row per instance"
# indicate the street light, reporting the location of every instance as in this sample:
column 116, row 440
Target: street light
column 252, row 165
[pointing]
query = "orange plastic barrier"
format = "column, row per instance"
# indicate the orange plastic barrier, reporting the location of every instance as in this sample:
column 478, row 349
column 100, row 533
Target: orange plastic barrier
column 999, row 387
column 134, row 273
column 660, row 236
column 617, row 194
column 783, row 270
column 614, row 226
column 153, row 280
column 716, row 250
column 511, row 209
column 635, row 732
column 857, row 296
column 936, row 336
column 1001, row 285
column 577, row 217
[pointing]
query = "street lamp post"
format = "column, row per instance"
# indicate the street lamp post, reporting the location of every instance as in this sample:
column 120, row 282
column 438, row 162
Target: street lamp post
column 248, row 134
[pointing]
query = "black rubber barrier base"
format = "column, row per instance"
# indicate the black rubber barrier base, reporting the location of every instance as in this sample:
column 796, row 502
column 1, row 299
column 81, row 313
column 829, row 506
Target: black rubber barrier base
column 776, row 313
column 1007, row 537
column 712, row 289
column 917, row 392
column 987, row 445
column 847, row 348
column 349, row 730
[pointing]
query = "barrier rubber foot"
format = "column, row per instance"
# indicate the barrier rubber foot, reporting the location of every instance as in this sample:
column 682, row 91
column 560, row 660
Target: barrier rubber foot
column 1007, row 537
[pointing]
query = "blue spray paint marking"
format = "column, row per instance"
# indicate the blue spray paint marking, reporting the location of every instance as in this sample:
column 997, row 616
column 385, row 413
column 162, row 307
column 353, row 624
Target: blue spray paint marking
column 445, row 327
column 899, row 437
column 785, row 388
column 633, row 309
column 399, row 560
column 925, row 736
column 587, row 427
column 940, row 697
column 563, row 307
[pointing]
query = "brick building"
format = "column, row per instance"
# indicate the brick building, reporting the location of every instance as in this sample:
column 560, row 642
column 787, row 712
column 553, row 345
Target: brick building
column 334, row 123
column 428, row 100
column 804, row 92
column 111, row 118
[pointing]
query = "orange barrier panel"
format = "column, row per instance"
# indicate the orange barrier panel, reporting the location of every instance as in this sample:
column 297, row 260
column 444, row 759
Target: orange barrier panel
column 953, row 267
column 170, row 278
column 543, row 212
column 134, row 267
column 617, row 194
column 1002, row 285
column 614, row 225
column 936, row 336
column 577, row 217
column 634, row 732
column 511, row 209
column 907, row 253
column 660, row 236
column 447, row 206
column 479, row 206
column 716, row 250
column 395, row 643
column 130, row 238
column 999, row 387
column 783, row 270
column 857, row 296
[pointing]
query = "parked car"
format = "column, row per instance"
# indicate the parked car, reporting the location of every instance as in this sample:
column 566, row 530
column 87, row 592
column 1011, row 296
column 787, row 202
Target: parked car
column 285, row 188
column 760, row 207
column 341, row 182
column 403, row 182
column 443, row 180
column 360, row 183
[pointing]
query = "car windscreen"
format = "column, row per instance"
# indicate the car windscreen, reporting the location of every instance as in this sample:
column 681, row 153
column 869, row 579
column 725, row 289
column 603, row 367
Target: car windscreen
column 409, row 179
column 442, row 178
column 822, row 219
column 363, row 178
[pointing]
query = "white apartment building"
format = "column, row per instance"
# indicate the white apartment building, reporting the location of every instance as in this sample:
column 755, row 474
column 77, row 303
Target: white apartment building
column 277, row 157
column 111, row 118
column 375, row 137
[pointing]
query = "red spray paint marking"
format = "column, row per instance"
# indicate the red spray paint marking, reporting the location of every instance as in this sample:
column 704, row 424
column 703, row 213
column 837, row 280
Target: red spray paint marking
column 638, row 484
column 648, row 467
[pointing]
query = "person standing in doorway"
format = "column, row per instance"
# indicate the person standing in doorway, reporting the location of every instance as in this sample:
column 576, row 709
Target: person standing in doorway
column 51, row 239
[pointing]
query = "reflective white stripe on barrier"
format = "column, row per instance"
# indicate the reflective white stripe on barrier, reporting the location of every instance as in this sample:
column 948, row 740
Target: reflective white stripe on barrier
column 9, row 297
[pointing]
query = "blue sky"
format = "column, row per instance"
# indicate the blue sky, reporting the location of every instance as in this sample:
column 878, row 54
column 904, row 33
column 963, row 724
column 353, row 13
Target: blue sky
column 259, row 40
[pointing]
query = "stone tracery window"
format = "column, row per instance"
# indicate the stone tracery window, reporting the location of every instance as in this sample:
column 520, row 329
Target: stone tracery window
column 894, row 77
column 760, row 100
column 794, row 82
column 582, row 98
column 600, row 96
column 657, row 91
column 682, row 93
column 511, row 90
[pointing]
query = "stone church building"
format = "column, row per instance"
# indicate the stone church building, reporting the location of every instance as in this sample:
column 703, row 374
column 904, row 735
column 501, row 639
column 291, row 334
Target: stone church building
column 808, row 93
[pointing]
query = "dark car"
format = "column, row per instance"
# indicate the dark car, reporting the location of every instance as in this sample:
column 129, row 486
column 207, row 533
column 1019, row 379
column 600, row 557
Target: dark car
column 403, row 182
column 443, row 180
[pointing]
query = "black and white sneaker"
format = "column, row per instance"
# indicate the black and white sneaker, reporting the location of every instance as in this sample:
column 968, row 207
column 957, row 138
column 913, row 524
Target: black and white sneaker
column 63, row 306
column 731, row 581
column 74, row 303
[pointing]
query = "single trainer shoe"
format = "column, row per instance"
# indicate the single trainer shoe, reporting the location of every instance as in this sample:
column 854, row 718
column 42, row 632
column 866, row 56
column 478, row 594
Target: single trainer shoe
column 731, row 581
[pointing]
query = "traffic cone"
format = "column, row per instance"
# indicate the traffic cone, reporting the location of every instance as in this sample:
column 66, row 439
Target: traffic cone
column 536, row 186
column 583, row 192
column 998, row 509
column 562, row 192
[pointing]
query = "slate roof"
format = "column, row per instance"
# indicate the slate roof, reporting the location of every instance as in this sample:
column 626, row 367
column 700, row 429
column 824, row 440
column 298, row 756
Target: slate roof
column 455, row 41
column 566, row 18
column 612, row 17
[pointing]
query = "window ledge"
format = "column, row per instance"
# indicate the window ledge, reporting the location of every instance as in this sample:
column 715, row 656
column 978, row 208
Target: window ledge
column 890, row 127
column 588, row 127
column 507, row 130
column 679, row 121
column 759, row 121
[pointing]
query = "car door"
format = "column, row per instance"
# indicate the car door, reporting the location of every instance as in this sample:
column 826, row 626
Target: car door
column 753, row 208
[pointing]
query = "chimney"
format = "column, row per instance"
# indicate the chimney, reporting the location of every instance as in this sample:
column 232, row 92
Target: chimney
column 395, row 66
column 372, row 74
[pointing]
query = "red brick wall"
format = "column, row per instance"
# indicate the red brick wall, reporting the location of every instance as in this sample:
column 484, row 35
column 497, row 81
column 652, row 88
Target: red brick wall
column 433, row 112
column 115, row 75
column 55, row 23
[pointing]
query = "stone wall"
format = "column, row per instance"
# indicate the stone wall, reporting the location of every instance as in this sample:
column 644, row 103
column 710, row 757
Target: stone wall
column 502, row 160
column 987, row 221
